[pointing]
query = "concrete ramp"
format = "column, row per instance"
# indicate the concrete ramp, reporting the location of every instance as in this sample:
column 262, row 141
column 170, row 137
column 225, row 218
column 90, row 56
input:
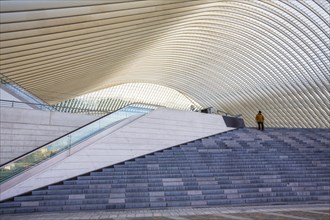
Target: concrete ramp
column 133, row 137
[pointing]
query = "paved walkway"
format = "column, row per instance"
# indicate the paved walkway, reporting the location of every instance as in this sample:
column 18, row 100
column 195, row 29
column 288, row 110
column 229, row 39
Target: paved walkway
column 278, row 212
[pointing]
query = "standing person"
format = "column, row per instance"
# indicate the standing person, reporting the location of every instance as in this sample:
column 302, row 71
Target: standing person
column 260, row 120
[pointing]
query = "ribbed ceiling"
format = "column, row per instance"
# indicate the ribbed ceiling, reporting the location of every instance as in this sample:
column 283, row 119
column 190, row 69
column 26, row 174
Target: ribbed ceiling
column 239, row 56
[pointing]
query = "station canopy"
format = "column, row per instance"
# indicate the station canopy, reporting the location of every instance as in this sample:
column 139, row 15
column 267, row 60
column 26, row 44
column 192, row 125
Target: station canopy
column 236, row 56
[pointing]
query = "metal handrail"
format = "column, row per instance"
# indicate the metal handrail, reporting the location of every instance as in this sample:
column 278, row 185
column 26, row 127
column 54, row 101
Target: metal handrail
column 228, row 114
column 219, row 112
column 70, row 110
column 15, row 88
column 20, row 104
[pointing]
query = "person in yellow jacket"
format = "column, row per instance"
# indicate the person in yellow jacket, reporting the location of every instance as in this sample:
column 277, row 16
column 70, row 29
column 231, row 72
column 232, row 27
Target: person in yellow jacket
column 260, row 120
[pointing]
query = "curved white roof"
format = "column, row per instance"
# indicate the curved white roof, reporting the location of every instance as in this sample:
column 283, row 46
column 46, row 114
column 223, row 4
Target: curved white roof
column 238, row 56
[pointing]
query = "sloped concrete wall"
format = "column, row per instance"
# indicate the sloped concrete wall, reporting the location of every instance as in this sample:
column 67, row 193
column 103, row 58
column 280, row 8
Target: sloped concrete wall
column 5, row 95
column 234, row 122
column 131, row 138
column 22, row 130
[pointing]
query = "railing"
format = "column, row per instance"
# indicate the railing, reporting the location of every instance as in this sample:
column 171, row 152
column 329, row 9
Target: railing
column 219, row 112
column 10, row 85
column 51, row 149
column 228, row 114
column 29, row 105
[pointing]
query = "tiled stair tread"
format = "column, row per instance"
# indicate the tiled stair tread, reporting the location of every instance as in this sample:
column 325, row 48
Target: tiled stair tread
column 61, row 200
column 274, row 187
column 106, row 200
column 224, row 161
column 242, row 167
column 76, row 205
column 279, row 185
column 224, row 155
column 158, row 178
column 205, row 166
column 199, row 180
column 221, row 168
column 157, row 192
column 188, row 173
column 106, row 189
column 233, row 158
column 215, row 174
column 197, row 169
column 224, row 184
column 187, row 170
column 204, row 190
column 282, row 160
column 148, row 203
column 235, row 166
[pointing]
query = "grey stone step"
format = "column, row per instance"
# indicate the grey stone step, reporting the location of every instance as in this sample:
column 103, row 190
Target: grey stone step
column 185, row 181
column 238, row 167
column 203, row 190
column 219, row 163
column 219, row 179
column 244, row 192
column 105, row 189
column 170, row 171
column 169, row 202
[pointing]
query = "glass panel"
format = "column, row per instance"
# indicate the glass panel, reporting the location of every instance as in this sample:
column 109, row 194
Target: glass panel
column 42, row 154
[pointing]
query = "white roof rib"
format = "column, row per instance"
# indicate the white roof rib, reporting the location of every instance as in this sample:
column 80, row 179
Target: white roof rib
column 237, row 56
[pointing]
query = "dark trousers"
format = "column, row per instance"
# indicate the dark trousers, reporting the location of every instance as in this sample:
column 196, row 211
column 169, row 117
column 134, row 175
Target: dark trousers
column 260, row 125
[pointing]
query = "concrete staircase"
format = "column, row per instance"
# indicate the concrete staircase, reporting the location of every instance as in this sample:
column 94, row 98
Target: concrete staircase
column 241, row 167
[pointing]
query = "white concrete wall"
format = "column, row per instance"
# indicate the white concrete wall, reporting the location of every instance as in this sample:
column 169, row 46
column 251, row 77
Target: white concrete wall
column 22, row 130
column 158, row 130
column 4, row 95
